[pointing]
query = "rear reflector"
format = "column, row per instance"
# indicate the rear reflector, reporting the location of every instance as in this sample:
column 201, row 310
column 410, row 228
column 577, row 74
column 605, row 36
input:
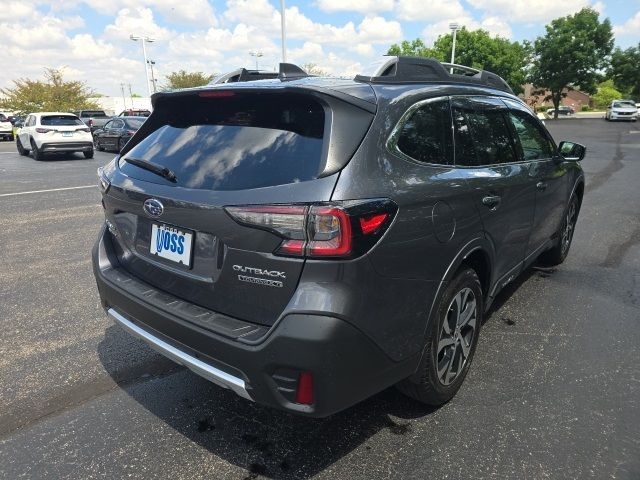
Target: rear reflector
column 304, row 392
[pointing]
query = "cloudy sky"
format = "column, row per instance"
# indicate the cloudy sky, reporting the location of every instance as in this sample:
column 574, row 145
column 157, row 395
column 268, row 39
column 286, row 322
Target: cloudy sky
column 90, row 38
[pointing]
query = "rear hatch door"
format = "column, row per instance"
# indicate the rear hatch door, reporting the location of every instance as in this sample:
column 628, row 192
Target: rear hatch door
column 224, row 148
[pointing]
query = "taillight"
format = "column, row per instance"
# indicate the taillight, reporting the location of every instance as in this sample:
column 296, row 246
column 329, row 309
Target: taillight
column 88, row 130
column 333, row 231
column 43, row 130
column 130, row 132
column 90, row 122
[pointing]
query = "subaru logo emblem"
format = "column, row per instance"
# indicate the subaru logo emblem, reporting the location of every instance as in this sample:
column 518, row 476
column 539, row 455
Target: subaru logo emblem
column 153, row 207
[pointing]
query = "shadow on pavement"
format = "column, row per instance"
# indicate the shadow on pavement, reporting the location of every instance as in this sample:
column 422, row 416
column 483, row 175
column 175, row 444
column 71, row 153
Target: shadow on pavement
column 265, row 442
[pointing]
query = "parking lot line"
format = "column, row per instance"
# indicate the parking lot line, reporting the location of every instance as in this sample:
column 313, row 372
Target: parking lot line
column 45, row 191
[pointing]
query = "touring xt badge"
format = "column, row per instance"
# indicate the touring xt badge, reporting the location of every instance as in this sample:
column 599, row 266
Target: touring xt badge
column 259, row 271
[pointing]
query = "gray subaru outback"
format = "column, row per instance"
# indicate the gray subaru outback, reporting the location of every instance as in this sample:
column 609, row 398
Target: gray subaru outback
column 307, row 242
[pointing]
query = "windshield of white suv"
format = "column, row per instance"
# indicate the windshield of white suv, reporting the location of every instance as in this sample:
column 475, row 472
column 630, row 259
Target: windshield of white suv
column 60, row 120
column 624, row 105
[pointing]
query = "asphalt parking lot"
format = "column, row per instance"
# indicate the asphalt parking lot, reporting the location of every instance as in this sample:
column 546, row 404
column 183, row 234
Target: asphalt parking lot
column 554, row 391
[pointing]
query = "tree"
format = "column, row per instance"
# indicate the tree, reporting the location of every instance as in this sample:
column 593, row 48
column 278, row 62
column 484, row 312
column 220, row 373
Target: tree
column 184, row 79
column 625, row 71
column 52, row 95
column 570, row 54
column 477, row 49
column 313, row 69
column 606, row 94
column 415, row 48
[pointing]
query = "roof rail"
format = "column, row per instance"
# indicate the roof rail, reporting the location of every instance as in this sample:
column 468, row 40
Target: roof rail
column 289, row 71
column 401, row 69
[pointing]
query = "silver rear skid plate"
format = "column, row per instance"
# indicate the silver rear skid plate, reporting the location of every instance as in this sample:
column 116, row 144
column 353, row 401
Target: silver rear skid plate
column 194, row 364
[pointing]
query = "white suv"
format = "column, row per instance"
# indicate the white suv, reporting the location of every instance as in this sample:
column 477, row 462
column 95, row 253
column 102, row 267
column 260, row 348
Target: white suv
column 6, row 129
column 49, row 132
column 622, row 110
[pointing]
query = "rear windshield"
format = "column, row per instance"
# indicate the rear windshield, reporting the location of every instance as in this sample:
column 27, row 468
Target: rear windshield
column 234, row 143
column 134, row 123
column 60, row 120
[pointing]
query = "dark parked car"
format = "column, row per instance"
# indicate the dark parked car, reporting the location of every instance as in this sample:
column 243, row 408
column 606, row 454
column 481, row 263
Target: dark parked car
column 116, row 133
column 308, row 242
column 562, row 110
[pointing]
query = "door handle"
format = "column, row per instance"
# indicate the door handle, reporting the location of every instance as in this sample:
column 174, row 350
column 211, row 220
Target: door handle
column 541, row 185
column 491, row 201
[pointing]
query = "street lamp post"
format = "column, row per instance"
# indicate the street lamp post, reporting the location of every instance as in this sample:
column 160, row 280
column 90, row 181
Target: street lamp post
column 454, row 26
column 144, row 40
column 283, row 25
column 153, row 78
column 256, row 55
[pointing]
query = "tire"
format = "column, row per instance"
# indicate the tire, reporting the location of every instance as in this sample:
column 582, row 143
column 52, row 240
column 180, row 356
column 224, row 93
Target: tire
column 21, row 150
column 558, row 254
column 88, row 154
column 120, row 145
column 97, row 145
column 435, row 382
column 37, row 154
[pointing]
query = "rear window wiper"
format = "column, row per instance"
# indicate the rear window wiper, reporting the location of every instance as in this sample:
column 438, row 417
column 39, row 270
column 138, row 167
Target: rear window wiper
column 153, row 168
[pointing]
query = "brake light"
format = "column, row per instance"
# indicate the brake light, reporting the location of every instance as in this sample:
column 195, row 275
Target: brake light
column 90, row 122
column 131, row 132
column 43, row 130
column 332, row 231
column 88, row 130
column 222, row 93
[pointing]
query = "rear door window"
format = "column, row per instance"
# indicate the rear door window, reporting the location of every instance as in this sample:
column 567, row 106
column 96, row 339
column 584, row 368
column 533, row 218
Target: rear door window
column 234, row 142
column 481, row 134
column 425, row 135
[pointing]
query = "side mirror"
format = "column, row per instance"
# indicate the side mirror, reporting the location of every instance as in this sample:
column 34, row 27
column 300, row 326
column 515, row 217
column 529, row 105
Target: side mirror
column 572, row 151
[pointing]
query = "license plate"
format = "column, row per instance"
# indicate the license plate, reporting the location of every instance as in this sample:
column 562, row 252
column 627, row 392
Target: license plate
column 67, row 134
column 171, row 243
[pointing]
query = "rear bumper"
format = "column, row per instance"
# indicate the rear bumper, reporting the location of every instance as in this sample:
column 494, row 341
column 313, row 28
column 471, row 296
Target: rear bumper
column 346, row 365
column 66, row 146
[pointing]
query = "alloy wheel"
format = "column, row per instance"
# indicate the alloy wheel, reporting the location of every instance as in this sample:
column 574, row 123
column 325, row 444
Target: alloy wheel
column 457, row 336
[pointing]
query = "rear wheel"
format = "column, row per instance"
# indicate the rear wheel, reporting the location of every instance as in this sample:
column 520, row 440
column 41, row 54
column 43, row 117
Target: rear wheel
column 451, row 342
column 37, row 154
column 21, row 150
column 96, row 143
column 88, row 153
column 559, row 252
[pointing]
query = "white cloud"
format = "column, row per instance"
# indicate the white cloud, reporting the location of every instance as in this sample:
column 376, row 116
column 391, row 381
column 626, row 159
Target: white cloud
column 428, row 10
column 630, row 27
column 361, row 6
column 138, row 21
column 15, row 9
column 530, row 11
column 193, row 12
column 494, row 25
